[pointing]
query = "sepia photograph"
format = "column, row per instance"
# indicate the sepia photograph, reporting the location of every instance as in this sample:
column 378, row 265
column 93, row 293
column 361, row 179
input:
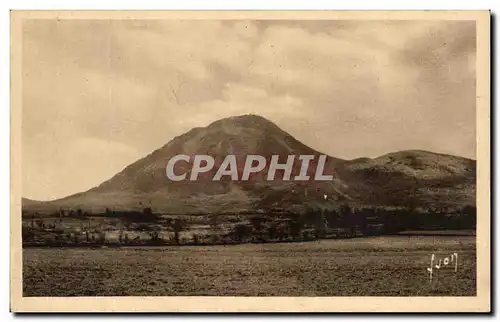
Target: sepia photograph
column 250, row 161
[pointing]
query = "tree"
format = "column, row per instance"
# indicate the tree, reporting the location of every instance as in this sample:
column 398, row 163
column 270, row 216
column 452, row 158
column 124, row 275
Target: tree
column 318, row 223
column 154, row 235
column 367, row 220
column 295, row 225
column 241, row 232
column 40, row 223
column 58, row 238
column 467, row 218
column 345, row 210
column 102, row 237
column 177, row 226
column 27, row 233
column 214, row 227
column 393, row 222
column 148, row 215
column 257, row 223
column 127, row 223
column 272, row 230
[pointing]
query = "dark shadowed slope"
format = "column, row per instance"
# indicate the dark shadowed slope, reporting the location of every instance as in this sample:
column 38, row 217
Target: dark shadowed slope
column 414, row 177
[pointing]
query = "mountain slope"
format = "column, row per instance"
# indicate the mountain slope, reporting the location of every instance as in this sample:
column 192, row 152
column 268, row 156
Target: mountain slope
column 414, row 177
column 418, row 177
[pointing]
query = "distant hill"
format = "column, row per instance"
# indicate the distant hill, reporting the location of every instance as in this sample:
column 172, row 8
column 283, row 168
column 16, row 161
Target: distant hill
column 419, row 178
column 29, row 202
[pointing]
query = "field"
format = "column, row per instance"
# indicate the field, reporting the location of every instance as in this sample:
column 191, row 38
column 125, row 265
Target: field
column 372, row 266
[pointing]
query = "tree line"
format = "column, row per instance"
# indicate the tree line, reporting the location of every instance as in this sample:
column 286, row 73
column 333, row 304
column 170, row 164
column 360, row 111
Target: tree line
column 343, row 222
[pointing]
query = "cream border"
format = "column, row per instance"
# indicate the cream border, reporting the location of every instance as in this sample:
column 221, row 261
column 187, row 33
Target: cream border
column 479, row 303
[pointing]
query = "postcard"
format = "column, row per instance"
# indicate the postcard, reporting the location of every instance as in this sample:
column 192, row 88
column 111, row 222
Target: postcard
column 250, row 161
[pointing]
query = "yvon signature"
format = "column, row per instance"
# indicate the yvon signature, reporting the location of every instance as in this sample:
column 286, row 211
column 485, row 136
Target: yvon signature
column 443, row 262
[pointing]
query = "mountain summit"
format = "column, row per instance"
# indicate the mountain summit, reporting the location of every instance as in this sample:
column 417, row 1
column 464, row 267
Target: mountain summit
column 409, row 176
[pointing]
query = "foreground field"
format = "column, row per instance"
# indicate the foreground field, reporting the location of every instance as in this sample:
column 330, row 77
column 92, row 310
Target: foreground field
column 378, row 266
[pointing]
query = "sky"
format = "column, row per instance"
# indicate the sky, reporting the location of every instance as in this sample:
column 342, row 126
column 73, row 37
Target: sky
column 98, row 95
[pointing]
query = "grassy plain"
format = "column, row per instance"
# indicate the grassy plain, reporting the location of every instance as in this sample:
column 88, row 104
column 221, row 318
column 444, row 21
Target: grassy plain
column 372, row 266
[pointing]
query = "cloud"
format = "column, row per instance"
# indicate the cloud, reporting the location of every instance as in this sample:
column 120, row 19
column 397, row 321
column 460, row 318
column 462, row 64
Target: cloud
column 346, row 88
column 238, row 99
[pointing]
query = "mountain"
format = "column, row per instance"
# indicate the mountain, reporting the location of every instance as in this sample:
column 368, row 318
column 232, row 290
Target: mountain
column 419, row 178
column 407, row 177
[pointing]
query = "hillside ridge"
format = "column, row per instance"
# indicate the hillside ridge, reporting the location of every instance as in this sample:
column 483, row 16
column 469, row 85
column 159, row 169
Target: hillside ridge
column 395, row 178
